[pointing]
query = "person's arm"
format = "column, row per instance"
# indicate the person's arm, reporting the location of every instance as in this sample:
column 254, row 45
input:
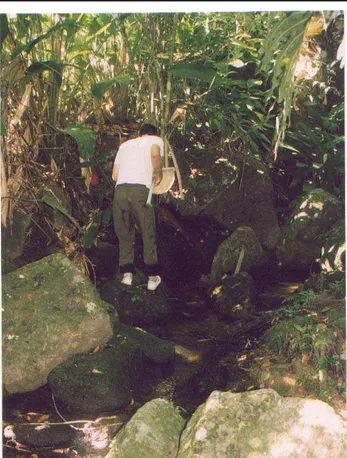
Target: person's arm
column 157, row 164
column 115, row 172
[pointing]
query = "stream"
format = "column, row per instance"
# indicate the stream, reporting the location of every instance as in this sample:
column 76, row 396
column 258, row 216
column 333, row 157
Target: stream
column 210, row 355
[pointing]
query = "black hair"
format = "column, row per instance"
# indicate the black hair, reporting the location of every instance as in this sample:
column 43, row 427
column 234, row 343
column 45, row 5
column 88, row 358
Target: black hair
column 148, row 129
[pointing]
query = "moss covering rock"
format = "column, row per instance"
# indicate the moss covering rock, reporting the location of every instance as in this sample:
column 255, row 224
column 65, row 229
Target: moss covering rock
column 304, row 233
column 153, row 432
column 262, row 423
column 227, row 255
column 51, row 311
column 135, row 306
column 98, row 382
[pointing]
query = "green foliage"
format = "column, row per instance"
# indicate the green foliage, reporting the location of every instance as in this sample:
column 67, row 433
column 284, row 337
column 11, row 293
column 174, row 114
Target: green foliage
column 337, row 289
column 283, row 45
column 84, row 137
column 300, row 299
column 318, row 147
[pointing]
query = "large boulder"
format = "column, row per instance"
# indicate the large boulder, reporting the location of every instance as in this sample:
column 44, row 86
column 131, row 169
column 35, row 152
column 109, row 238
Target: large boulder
column 99, row 382
column 262, row 423
column 236, row 190
column 303, row 235
column 51, row 311
column 153, row 432
column 228, row 252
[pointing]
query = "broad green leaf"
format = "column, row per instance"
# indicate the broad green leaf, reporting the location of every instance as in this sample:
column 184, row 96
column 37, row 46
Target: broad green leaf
column 85, row 138
column 99, row 89
column 203, row 73
column 54, row 202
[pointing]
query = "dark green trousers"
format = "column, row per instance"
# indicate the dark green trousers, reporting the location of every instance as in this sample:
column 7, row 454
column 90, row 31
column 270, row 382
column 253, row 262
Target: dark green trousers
column 129, row 209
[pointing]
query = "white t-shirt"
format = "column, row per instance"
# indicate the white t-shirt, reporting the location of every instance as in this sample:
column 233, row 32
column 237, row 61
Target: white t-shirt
column 134, row 160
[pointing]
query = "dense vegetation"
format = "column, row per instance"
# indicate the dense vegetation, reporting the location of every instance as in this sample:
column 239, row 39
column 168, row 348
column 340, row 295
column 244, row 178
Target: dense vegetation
column 269, row 82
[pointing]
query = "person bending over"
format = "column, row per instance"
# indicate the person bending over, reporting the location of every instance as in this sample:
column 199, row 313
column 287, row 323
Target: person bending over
column 137, row 165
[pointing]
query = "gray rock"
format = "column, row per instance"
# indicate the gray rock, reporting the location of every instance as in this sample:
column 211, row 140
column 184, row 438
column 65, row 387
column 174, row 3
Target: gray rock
column 51, row 311
column 303, row 235
column 237, row 297
column 227, row 255
column 98, row 382
column 236, row 190
column 263, row 424
column 153, row 432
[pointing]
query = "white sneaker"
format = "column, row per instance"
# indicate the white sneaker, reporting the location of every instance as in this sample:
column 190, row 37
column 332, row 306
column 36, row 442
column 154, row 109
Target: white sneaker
column 127, row 279
column 153, row 282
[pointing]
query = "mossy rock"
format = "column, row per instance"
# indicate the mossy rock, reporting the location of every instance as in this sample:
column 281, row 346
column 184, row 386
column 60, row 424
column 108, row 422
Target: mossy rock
column 228, row 252
column 98, row 382
column 135, row 306
column 153, row 432
column 51, row 311
column 304, row 233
